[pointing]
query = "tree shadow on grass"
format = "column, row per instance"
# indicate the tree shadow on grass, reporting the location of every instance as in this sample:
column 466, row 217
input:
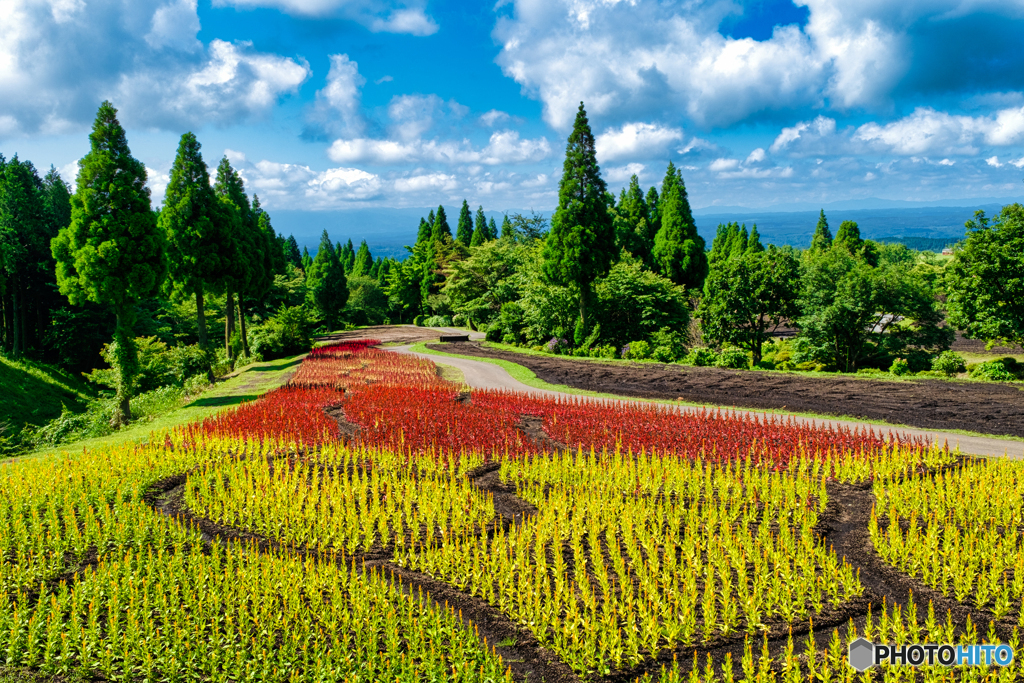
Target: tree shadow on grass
column 223, row 400
column 274, row 368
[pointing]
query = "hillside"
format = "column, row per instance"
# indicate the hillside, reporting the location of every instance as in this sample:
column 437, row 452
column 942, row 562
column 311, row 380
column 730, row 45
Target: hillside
column 34, row 393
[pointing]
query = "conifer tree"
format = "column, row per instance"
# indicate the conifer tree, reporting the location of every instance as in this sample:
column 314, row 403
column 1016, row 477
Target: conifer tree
column 423, row 234
column 581, row 244
column 237, row 250
column 678, row 250
column 492, row 229
column 326, row 283
column 363, row 262
column 481, row 233
column 291, row 252
column 653, row 212
column 822, row 239
column 112, row 253
column 507, row 231
column 754, row 243
column 464, row 228
column 632, row 222
column 440, row 226
column 848, row 236
column 307, row 261
column 193, row 229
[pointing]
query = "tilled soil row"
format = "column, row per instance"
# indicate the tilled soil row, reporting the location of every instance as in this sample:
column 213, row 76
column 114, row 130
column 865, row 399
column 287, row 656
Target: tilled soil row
column 988, row 408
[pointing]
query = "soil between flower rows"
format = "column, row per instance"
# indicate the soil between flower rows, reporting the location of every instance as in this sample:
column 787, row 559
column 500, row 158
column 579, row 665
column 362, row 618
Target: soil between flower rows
column 928, row 404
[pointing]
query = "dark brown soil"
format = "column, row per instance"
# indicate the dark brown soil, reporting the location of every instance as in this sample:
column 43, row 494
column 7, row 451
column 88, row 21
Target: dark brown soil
column 394, row 334
column 927, row 404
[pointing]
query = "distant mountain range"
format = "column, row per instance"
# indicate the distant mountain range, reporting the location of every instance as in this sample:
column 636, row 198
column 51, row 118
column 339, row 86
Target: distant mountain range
column 920, row 224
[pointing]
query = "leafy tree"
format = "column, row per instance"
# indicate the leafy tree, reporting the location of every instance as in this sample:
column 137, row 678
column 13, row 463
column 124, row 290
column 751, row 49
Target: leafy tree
column 985, row 280
column 678, row 250
column 363, row 262
column 581, row 244
column 848, row 237
column 193, row 228
column 635, row 303
column 633, row 224
column 326, row 283
column 464, row 229
column 367, row 301
column 854, row 314
column 490, row 277
column 822, row 239
column 747, row 297
column 112, row 253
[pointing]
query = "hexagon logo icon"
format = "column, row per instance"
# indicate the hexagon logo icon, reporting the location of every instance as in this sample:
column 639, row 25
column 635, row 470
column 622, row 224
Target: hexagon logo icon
column 862, row 654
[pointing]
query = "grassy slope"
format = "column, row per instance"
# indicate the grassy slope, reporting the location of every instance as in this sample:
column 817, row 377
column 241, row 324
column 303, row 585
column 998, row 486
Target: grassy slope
column 527, row 377
column 34, row 393
column 245, row 384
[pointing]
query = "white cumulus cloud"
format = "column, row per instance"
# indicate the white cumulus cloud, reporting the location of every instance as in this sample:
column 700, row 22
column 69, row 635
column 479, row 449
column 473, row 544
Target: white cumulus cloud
column 380, row 17
column 636, row 141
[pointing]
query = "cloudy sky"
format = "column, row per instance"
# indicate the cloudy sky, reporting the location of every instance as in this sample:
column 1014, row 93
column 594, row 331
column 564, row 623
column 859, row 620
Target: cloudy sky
column 335, row 104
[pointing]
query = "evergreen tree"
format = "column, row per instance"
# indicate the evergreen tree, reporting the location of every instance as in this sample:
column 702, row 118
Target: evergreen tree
column 481, row 233
column 507, row 231
column 581, row 244
column 423, row 234
column 492, row 230
column 112, row 253
column 754, row 244
column 440, row 226
column 822, row 239
column 739, row 242
column 464, row 229
column 653, row 211
column 363, row 262
column 194, row 231
column 848, row 237
column 327, row 284
column 678, row 250
column 238, row 247
column 23, row 226
column 291, row 252
column 633, row 224
column 307, row 261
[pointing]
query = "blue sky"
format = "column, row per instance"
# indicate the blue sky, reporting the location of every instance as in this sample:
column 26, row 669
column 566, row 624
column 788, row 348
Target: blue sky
column 328, row 105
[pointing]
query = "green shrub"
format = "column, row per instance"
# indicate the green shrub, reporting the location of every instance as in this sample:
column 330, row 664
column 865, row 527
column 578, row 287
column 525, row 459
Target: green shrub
column 418, row 320
column 993, row 371
column 606, row 351
column 869, row 371
column 900, row 367
column 949, row 363
column 636, row 350
column 809, row 366
column 765, row 364
column 286, row 333
column 582, row 352
column 663, row 354
column 734, row 358
column 674, row 340
column 437, row 321
column 930, row 373
column 493, row 333
column 701, row 356
column 786, row 366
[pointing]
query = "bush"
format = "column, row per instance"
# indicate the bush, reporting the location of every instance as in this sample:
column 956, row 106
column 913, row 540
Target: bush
column 701, row 356
column 187, row 362
column 287, row 333
column 459, row 320
column 949, row 363
column 809, row 366
column 786, row 366
column 493, row 333
column 900, row 367
column 159, row 365
column 673, row 340
column 663, row 354
column 606, row 351
column 930, row 373
column 732, row 357
column 636, row 350
column 437, row 321
column 418, row 320
column 557, row 345
column 993, row 371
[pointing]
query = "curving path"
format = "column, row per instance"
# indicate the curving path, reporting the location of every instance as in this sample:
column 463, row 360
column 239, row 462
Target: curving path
column 484, row 375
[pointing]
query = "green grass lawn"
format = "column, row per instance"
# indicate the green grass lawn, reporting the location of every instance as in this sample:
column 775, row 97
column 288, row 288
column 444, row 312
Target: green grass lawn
column 245, row 384
column 34, row 393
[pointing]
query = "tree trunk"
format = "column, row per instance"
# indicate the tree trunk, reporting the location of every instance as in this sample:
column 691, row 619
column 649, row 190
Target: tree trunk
column 229, row 323
column 126, row 362
column 16, row 320
column 241, row 325
column 8, row 323
column 201, row 324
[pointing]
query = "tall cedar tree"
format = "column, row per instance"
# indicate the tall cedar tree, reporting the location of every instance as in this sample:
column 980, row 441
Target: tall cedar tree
column 22, row 229
column 326, row 283
column 236, row 223
column 440, row 226
column 269, row 261
column 423, row 234
column 848, row 236
column 581, row 244
column 492, row 229
column 481, row 233
column 112, row 253
column 507, row 231
column 464, row 228
column 678, row 250
column 633, row 224
column 291, row 252
column 822, row 239
column 347, row 255
column 363, row 261
column 193, row 228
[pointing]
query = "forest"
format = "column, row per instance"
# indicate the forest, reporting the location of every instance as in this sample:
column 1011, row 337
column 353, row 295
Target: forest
column 100, row 282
